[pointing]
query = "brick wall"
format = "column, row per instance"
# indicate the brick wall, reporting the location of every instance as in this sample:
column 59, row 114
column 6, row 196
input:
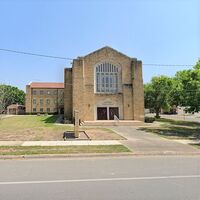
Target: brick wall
column 129, row 99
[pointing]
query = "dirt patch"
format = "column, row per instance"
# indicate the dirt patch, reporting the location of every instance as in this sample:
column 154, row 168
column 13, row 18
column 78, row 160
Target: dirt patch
column 31, row 135
column 103, row 134
column 69, row 135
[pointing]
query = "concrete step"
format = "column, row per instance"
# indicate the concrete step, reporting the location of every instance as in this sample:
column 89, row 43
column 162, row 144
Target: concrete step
column 113, row 123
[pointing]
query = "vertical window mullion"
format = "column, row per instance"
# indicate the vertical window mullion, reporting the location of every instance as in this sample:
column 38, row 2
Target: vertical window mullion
column 107, row 78
column 99, row 81
column 109, row 82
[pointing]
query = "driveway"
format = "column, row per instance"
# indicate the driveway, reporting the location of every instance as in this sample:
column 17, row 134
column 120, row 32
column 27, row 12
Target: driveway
column 147, row 143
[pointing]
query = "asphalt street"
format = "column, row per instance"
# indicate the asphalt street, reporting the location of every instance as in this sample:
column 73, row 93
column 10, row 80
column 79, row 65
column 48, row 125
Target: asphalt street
column 139, row 178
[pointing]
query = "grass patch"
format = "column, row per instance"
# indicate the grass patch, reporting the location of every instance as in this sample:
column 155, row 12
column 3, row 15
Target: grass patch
column 43, row 127
column 196, row 145
column 36, row 150
column 31, row 127
column 175, row 129
column 179, row 122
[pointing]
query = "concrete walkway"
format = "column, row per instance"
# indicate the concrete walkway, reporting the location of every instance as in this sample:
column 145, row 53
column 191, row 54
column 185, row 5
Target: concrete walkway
column 147, row 143
column 59, row 143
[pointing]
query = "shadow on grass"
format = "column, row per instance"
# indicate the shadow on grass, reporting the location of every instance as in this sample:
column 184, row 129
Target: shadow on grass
column 179, row 122
column 51, row 119
column 196, row 145
column 176, row 129
column 175, row 132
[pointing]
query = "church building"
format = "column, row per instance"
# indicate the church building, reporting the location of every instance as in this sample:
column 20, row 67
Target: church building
column 104, row 85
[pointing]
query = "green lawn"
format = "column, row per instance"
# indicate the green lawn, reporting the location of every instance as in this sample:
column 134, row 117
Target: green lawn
column 36, row 150
column 31, row 127
column 175, row 129
column 37, row 128
column 196, row 145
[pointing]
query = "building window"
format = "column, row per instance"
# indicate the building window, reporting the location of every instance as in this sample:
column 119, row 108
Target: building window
column 34, row 109
column 34, row 92
column 48, row 101
column 48, row 110
column 48, row 92
column 34, row 101
column 107, row 78
column 41, row 101
column 55, row 92
column 41, row 109
column 41, row 92
column 55, row 101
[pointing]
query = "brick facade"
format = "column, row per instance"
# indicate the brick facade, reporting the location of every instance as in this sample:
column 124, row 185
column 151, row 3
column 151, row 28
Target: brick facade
column 45, row 98
column 81, row 93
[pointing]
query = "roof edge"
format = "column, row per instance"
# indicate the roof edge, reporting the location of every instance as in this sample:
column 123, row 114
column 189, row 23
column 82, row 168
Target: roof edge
column 105, row 47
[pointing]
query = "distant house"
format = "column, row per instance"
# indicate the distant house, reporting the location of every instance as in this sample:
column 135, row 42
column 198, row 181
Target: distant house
column 15, row 109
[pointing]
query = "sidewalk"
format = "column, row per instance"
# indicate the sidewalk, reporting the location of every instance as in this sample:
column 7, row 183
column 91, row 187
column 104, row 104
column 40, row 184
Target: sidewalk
column 141, row 142
column 59, row 143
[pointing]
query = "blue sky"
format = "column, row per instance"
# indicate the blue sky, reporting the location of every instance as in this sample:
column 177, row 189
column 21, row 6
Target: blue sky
column 154, row 31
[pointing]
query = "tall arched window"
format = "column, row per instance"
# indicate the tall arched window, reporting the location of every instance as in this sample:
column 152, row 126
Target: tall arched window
column 107, row 78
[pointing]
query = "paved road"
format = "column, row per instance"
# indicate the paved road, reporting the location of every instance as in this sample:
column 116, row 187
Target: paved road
column 146, row 143
column 122, row 178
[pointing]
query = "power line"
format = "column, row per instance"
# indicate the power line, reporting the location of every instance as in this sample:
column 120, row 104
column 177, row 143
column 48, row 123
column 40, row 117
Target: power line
column 168, row 65
column 66, row 58
column 35, row 54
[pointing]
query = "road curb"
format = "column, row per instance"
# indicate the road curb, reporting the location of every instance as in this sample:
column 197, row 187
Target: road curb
column 86, row 155
column 93, row 155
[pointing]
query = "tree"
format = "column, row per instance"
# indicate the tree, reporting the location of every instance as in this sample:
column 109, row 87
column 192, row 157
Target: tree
column 157, row 93
column 10, row 95
column 181, row 90
column 175, row 93
column 189, row 88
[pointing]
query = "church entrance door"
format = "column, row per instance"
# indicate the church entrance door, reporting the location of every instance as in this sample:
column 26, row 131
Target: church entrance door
column 102, row 113
column 113, row 111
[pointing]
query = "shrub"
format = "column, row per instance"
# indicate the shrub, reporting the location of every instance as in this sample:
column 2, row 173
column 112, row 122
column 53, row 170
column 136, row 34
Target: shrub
column 149, row 119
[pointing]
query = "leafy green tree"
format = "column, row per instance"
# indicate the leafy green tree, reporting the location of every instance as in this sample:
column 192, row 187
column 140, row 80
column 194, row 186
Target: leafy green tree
column 175, row 93
column 189, row 88
column 181, row 90
column 157, row 93
column 10, row 95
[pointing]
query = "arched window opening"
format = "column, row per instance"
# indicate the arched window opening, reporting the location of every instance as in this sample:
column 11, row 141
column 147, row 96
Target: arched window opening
column 107, row 78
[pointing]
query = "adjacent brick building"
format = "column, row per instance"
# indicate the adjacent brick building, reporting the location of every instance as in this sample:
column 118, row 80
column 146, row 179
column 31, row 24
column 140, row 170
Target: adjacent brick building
column 45, row 98
column 104, row 84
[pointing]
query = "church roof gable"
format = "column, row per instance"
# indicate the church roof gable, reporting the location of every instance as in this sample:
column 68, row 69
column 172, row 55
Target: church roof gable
column 106, row 48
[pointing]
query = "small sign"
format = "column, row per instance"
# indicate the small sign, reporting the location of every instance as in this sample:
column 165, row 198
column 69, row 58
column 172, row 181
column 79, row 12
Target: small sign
column 107, row 103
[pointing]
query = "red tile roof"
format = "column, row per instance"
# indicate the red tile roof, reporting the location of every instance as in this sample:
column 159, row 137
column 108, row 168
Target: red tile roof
column 46, row 85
